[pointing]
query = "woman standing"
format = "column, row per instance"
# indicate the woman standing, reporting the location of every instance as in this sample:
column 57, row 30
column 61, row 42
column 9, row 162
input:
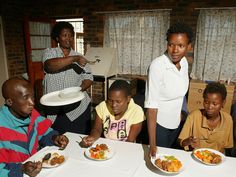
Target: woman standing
column 166, row 87
column 65, row 68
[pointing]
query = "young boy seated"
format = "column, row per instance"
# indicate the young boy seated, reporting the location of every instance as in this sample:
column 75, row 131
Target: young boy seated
column 209, row 127
column 23, row 130
column 118, row 118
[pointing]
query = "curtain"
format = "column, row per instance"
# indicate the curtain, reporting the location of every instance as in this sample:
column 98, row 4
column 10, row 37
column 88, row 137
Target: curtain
column 39, row 39
column 215, row 46
column 138, row 38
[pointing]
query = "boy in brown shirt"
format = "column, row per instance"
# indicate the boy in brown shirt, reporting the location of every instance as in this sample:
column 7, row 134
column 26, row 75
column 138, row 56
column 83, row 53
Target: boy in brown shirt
column 209, row 127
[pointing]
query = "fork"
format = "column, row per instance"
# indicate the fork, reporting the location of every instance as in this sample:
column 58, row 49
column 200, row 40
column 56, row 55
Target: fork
column 93, row 62
column 78, row 141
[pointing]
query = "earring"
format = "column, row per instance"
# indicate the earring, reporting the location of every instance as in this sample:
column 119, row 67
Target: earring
column 9, row 102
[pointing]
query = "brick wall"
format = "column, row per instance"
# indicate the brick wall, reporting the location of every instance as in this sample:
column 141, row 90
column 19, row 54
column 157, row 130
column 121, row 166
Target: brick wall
column 13, row 12
column 97, row 92
column 12, row 16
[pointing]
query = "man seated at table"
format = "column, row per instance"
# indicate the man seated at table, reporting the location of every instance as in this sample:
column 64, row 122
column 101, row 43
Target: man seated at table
column 23, row 130
column 118, row 118
column 209, row 127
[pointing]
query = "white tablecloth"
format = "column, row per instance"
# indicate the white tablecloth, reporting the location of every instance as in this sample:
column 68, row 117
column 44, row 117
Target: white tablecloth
column 129, row 160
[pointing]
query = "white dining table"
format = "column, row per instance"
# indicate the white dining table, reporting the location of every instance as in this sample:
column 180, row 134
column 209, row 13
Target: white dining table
column 129, row 160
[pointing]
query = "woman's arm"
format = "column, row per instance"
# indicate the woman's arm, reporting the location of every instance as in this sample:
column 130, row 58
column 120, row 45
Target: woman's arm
column 134, row 132
column 86, row 84
column 151, row 121
column 55, row 65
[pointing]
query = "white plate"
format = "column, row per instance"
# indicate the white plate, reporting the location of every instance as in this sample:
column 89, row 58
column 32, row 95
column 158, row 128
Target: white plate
column 63, row 97
column 70, row 92
column 162, row 157
column 109, row 154
column 47, row 164
column 211, row 150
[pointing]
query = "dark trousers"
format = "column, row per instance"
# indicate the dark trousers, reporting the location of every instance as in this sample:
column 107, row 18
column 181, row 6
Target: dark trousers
column 80, row 125
column 166, row 137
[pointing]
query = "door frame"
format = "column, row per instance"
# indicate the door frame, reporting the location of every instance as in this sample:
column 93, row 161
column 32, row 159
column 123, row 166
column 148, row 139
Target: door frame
column 3, row 60
column 35, row 69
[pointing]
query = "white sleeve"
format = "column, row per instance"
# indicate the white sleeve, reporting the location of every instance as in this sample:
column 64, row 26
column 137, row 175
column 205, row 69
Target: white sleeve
column 152, row 91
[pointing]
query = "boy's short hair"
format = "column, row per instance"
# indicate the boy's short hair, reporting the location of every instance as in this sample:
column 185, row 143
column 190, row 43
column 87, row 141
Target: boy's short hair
column 121, row 85
column 215, row 87
column 5, row 86
column 179, row 28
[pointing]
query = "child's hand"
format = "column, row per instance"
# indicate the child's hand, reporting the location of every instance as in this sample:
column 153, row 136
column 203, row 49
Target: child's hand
column 191, row 141
column 194, row 142
column 87, row 141
column 61, row 141
column 32, row 168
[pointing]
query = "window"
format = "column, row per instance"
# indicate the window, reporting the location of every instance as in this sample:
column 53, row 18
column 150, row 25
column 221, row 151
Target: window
column 138, row 38
column 78, row 25
column 215, row 46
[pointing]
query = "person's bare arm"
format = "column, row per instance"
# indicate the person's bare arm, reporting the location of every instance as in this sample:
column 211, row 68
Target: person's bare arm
column 94, row 134
column 55, row 65
column 134, row 131
column 97, row 128
column 151, row 122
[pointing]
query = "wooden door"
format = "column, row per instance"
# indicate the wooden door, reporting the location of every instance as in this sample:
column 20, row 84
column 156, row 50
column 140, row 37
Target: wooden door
column 37, row 38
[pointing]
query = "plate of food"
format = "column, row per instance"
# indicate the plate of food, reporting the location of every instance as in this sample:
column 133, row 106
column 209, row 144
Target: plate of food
column 209, row 156
column 168, row 164
column 51, row 159
column 100, row 152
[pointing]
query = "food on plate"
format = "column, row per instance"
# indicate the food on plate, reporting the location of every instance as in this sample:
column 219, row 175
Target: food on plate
column 99, row 151
column 208, row 156
column 55, row 159
column 47, row 157
column 168, row 163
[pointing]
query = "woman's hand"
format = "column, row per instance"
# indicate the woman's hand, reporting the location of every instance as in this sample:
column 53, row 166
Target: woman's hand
column 81, row 60
column 60, row 141
column 32, row 168
column 152, row 151
column 87, row 141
